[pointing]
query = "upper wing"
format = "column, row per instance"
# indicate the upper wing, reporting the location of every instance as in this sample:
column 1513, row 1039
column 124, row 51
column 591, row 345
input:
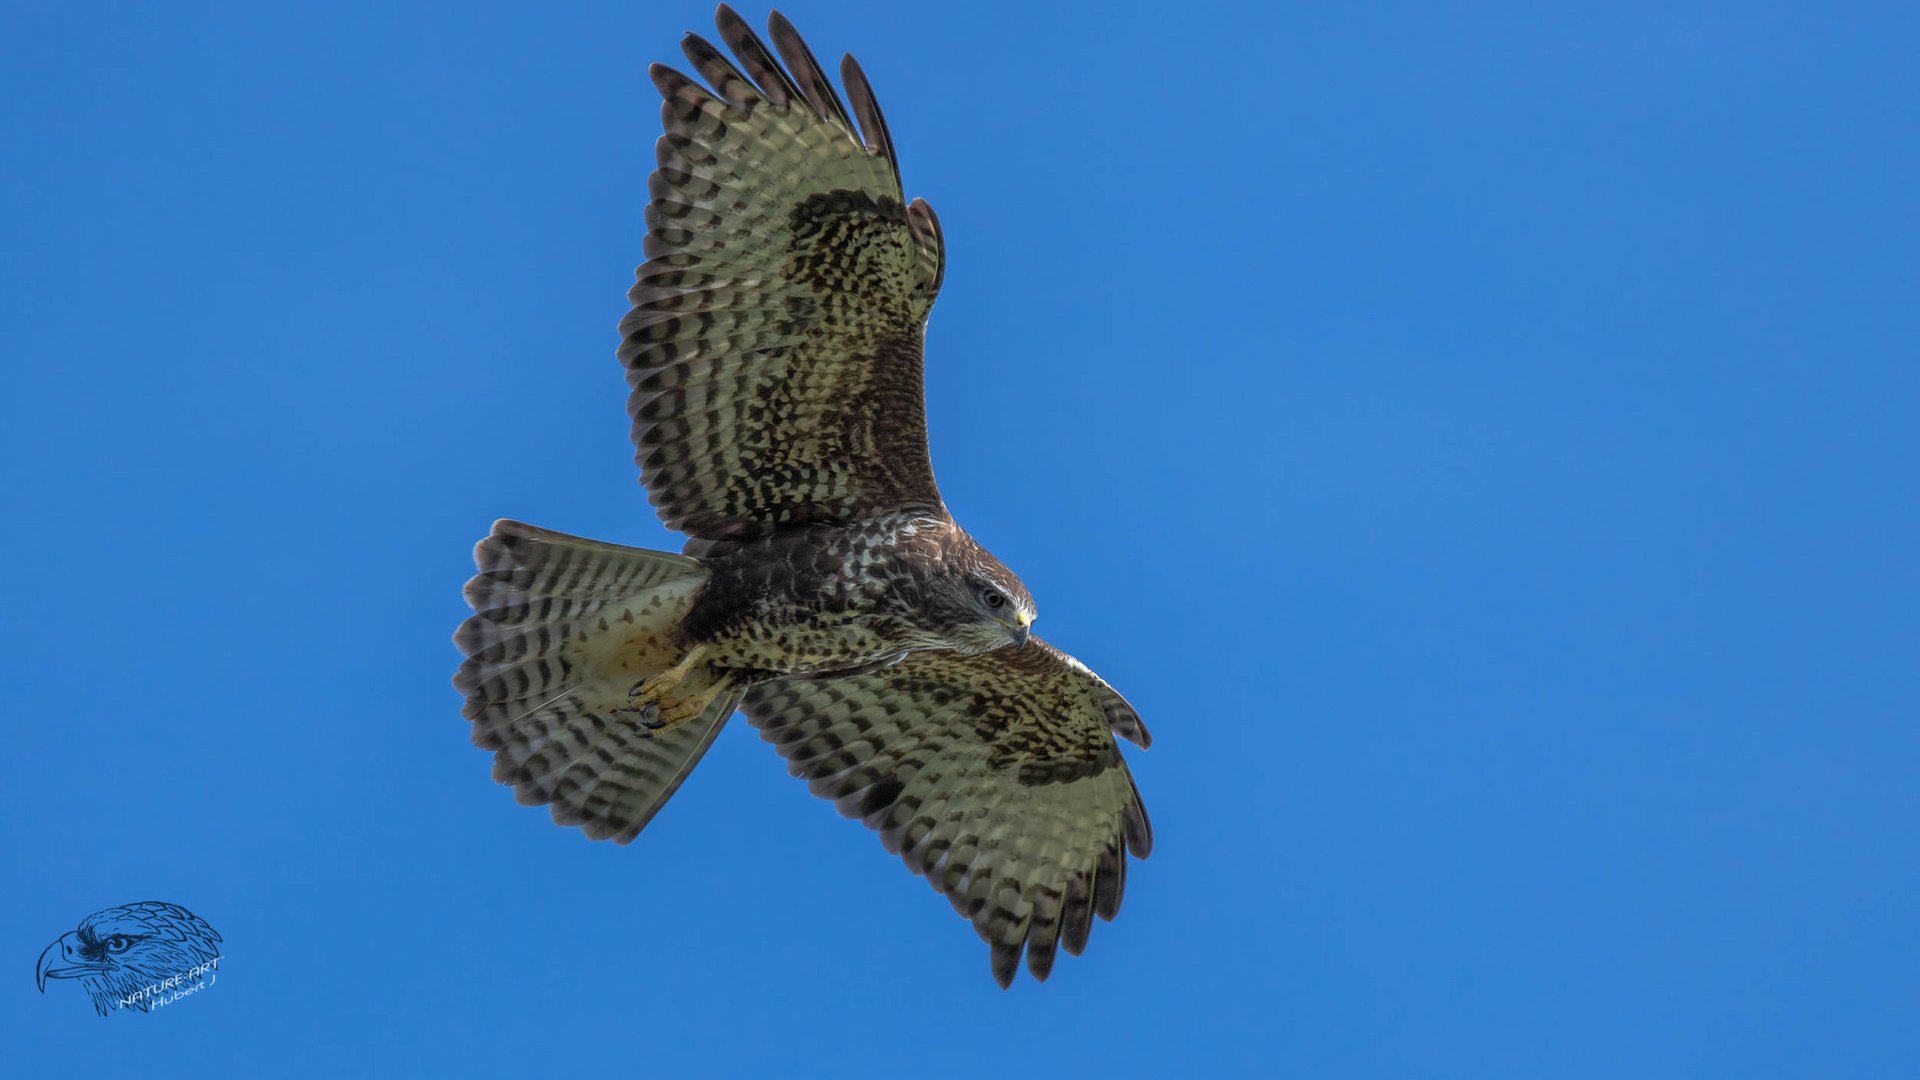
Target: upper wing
column 774, row 347
column 996, row 776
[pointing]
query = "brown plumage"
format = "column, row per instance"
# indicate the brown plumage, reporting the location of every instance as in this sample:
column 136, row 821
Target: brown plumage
column 774, row 355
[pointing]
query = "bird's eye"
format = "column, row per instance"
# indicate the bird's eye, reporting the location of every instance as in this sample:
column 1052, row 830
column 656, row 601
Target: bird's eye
column 993, row 599
column 119, row 943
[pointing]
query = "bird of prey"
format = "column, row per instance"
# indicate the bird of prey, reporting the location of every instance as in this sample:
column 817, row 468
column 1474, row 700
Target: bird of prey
column 128, row 957
column 774, row 356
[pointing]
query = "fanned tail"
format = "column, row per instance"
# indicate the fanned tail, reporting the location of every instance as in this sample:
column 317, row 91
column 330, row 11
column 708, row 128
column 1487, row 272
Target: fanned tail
column 564, row 635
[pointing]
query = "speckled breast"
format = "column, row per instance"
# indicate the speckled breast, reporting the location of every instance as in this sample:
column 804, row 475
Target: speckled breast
column 813, row 600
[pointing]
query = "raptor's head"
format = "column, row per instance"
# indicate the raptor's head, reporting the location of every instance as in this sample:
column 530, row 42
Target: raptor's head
column 121, row 954
column 979, row 604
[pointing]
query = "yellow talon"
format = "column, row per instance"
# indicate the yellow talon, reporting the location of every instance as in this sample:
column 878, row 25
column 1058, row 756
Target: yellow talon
column 650, row 694
column 673, row 675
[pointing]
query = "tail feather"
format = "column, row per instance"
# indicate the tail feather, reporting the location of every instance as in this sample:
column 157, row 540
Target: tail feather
column 563, row 629
column 636, row 772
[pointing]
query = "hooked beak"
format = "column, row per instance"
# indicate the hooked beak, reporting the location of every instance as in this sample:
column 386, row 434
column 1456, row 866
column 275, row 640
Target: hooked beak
column 62, row 960
column 1022, row 628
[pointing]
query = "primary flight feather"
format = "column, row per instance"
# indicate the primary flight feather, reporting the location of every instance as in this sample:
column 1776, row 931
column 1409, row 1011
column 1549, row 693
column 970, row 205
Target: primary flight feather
column 774, row 354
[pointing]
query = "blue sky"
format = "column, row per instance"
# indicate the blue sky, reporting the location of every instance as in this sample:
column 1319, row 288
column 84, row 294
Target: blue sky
column 1479, row 438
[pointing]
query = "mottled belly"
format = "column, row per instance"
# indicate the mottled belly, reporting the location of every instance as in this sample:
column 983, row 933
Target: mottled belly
column 814, row 644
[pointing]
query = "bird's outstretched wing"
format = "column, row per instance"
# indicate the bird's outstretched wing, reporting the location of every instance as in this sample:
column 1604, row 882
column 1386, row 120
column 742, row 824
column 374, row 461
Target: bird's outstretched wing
column 996, row 776
column 774, row 347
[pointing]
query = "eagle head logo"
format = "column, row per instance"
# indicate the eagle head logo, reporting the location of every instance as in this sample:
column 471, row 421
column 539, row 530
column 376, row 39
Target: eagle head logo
column 135, row 956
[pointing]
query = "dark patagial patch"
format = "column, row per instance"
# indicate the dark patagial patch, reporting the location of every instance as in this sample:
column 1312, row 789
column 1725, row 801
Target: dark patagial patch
column 835, row 234
column 1038, row 748
column 1062, row 770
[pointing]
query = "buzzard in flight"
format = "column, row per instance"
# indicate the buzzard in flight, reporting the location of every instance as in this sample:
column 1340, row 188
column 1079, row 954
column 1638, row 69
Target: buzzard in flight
column 774, row 353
